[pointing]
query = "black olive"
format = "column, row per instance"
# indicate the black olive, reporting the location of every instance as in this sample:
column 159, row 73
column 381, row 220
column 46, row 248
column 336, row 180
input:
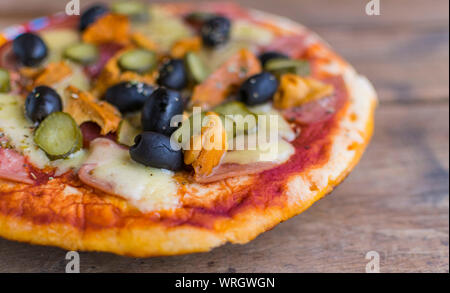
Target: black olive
column 128, row 96
column 159, row 109
column 90, row 15
column 30, row 49
column 216, row 31
column 173, row 74
column 41, row 102
column 267, row 56
column 154, row 150
column 258, row 88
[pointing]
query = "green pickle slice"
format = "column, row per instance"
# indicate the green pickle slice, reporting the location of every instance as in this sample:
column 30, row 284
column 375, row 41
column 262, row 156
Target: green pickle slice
column 245, row 120
column 136, row 11
column 138, row 60
column 82, row 53
column 58, row 136
column 4, row 81
column 280, row 66
column 196, row 67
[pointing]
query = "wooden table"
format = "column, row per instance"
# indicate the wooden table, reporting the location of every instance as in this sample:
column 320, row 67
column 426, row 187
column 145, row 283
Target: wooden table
column 396, row 201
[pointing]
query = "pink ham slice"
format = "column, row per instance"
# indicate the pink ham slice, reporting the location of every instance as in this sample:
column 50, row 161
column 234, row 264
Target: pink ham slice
column 225, row 171
column 293, row 46
column 12, row 166
column 85, row 173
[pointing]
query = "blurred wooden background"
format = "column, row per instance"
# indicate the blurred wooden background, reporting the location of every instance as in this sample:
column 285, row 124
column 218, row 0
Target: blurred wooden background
column 396, row 201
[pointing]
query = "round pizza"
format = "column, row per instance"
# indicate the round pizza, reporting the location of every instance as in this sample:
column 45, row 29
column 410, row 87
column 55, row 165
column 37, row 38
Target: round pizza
column 165, row 129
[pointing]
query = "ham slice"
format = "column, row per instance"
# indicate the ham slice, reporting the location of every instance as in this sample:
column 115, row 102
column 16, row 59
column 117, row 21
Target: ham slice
column 293, row 46
column 13, row 166
column 227, row 170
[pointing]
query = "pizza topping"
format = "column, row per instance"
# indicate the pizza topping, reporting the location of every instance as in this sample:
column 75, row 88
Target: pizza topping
column 58, row 136
column 83, row 107
column 41, row 102
column 109, row 168
column 295, row 91
column 82, row 53
column 128, row 96
column 135, row 11
column 5, row 85
column 110, row 28
column 12, row 166
column 232, row 73
column 207, row 149
column 244, row 120
column 185, row 45
column 173, row 74
column 138, row 60
column 155, row 150
column 53, row 73
column 258, row 89
column 91, row 15
column 197, row 18
column 216, row 31
column 267, row 56
column 142, row 41
column 280, row 66
column 126, row 133
column 196, row 68
column 159, row 109
column 30, row 49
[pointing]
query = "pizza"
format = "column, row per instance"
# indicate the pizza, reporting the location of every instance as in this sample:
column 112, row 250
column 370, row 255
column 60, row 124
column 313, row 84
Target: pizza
column 165, row 129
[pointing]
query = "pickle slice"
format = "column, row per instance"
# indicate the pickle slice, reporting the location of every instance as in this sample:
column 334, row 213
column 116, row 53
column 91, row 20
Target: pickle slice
column 196, row 67
column 280, row 66
column 58, row 136
column 136, row 11
column 82, row 53
column 126, row 133
column 138, row 60
column 4, row 81
column 245, row 120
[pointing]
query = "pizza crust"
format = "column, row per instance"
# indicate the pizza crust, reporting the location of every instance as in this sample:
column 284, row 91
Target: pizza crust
column 349, row 140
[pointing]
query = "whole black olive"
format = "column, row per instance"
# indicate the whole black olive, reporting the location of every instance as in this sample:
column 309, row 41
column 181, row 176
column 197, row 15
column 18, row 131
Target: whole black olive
column 128, row 96
column 159, row 109
column 154, row 150
column 216, row 31
column 91, row 14
column 258, row 88
column 173, row 74
column 41, row 102
column 30, row 49
column 267, row 56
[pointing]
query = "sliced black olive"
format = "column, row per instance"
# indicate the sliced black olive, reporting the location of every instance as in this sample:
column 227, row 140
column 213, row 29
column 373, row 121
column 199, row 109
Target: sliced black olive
column 4, row 81
column 128, row 96
column 138, row 60
column 136, row 11
column 41, row 102
column 216, row 31
column 90, row 15
column 153, row 149
column 173, row 74
column 82, row 53
column 159, row 109
column 267, row 56
column 30, row 49
column 258, row 88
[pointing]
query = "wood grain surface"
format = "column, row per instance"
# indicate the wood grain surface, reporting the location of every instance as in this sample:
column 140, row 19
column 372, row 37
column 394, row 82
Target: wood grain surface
column 395, row 202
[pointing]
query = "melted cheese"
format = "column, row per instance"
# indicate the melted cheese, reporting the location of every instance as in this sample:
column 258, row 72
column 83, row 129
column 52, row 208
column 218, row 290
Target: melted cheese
column 247, row 31
column 57, row 40
column 149, row 189
column 278, row 151
column 19, row 130
column 282, row 126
